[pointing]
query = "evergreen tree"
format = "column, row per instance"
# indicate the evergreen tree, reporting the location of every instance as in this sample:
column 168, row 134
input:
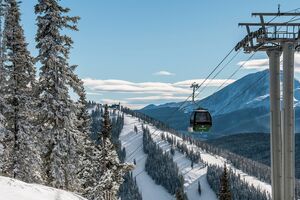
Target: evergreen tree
column 113, row 171
column 20, row 82
column 105, row 127
column 129, row 189
column 199, row 188
column 89, row 171
column 3, row 131
column 225, row 193
column 180, row 195
column 135, row 129
column 57, row 114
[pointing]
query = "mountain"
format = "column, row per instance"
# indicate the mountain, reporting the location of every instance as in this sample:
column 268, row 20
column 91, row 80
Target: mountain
column 240, row 107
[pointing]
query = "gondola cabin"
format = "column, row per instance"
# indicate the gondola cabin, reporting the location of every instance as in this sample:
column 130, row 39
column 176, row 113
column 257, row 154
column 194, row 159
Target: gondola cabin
column 200, row 121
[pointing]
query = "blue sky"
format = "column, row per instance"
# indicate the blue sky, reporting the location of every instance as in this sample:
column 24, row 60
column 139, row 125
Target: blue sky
column 140, row 52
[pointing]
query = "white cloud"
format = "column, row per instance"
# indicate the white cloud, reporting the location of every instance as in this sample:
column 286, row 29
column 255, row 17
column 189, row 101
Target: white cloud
column 112, row 101
column 164, row 73
column 138, row 95
column 255, row 64
column 156, row 98
column 209, row 82
column 94, row 93
column 261, row 64
column 121, row 86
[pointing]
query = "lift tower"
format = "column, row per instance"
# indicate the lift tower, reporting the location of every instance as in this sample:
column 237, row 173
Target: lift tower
column 275, row 38
column 195, row 86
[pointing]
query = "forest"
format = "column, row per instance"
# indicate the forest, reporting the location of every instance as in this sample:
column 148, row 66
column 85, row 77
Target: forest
column 45, row 133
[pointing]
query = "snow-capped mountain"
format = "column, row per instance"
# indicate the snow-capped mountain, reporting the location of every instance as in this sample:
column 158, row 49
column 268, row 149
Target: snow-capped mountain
column 242, row 106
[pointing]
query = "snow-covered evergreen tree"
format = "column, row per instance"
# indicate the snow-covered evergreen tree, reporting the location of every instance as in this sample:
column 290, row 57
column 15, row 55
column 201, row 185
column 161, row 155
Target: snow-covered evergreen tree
column 225, row 193
column 2, row 103
column 20, row 81
column 113, row 170
column 57, row 111
column 199, row 188
column 89, row 154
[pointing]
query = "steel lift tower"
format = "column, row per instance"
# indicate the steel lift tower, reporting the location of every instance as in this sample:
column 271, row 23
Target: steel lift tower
column 275, row 38
column 195, row 86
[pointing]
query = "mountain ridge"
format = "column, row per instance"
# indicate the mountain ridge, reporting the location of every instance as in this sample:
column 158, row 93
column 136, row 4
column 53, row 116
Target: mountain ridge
column 242, row 106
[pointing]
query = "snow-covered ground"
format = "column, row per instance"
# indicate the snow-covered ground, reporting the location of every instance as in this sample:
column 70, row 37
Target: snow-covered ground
column 134, row 150
column 12, row 189
column 217, row 160
column 191, row 175
column 133, row 144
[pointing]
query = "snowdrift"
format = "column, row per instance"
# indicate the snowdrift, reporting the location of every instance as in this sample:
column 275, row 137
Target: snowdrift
column 12, row 189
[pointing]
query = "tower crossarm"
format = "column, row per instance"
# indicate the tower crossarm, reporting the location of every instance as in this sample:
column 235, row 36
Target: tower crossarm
column 270, row 35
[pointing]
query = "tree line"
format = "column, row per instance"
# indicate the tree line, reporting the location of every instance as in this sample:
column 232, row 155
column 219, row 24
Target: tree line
column 161, row 167
column 238, row 188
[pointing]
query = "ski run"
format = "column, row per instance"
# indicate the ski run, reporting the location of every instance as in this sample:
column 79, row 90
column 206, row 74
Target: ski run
column 134, row 151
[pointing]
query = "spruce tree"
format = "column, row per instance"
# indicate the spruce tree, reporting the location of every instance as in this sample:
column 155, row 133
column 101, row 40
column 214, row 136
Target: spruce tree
column 199, row 188
column 3, row 131
column 20, row 82
column 180, row 195
column 57, row 110
column 112, row 169
column 89, row 171
column 225, row 193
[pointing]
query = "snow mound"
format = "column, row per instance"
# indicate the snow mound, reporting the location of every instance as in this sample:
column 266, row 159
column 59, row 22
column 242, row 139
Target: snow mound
column 12, row 189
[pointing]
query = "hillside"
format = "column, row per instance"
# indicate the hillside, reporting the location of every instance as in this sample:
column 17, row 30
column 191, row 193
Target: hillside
column 255, row 146
column 242, row 106
column 12, row 189
column 133, row 142
column 134, row 151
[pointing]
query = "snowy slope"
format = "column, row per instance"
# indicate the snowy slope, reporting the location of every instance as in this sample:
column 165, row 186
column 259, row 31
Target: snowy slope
column 217, row 160
column 134, row 150
column 12, row 189
column 191, row 176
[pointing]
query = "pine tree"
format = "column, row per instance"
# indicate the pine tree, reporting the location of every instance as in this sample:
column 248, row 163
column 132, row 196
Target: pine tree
column 199, row 188
column 20, row 81
column 225, row 193
column 57, row 111
column 180, row 195
column 89, row 171
column 3, row 132
column 113, row 171
column 135, row 129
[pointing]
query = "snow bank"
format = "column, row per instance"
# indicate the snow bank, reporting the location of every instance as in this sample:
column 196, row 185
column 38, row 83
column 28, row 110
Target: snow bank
column 12, row 189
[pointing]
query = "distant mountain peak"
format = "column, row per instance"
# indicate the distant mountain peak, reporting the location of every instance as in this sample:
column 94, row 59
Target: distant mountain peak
column 243, row 105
